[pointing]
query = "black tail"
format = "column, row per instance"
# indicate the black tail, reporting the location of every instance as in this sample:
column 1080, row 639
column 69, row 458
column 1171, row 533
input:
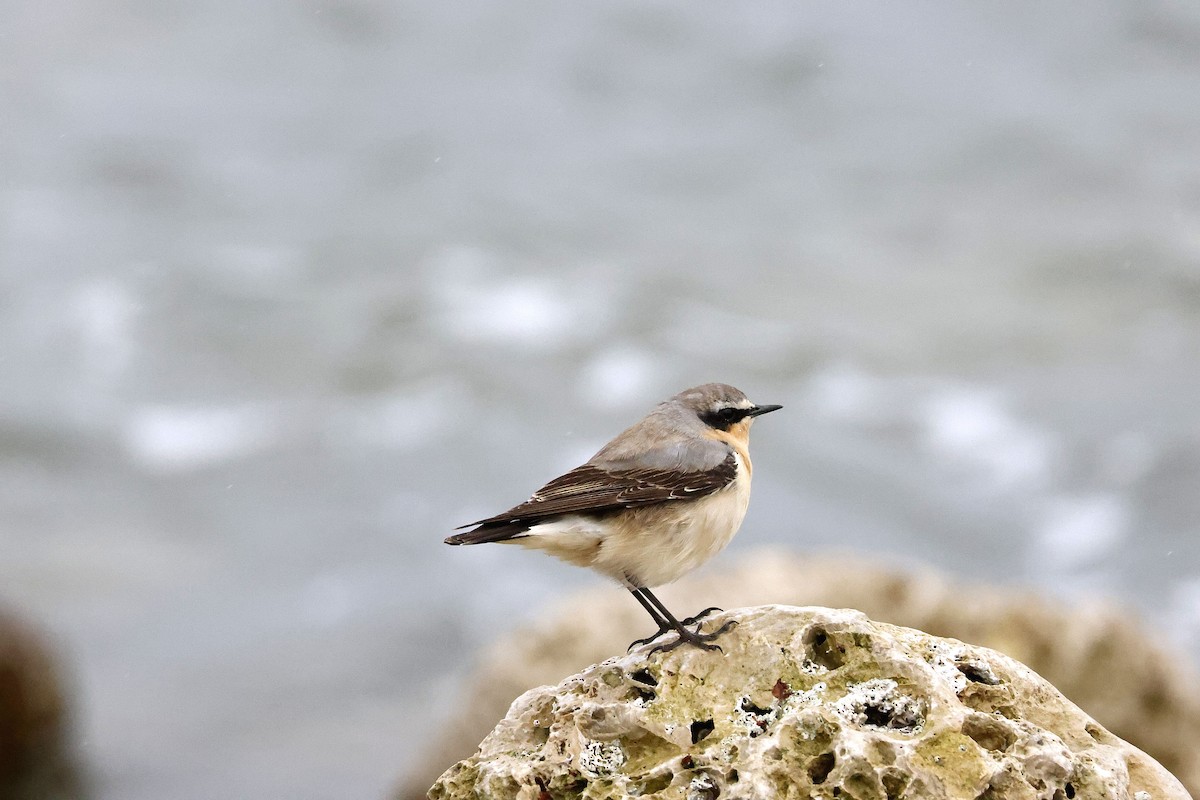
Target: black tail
column 488, row 533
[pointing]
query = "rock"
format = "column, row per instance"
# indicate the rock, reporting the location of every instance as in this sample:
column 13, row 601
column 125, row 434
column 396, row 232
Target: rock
column 34, row 760
column 805, row 702
column 1102, row 659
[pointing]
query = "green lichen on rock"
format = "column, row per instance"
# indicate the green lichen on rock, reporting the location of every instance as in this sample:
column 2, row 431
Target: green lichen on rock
column 805, row 703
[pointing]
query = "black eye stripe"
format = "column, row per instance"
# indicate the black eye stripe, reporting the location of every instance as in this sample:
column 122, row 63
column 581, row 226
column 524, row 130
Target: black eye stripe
column 722, row 418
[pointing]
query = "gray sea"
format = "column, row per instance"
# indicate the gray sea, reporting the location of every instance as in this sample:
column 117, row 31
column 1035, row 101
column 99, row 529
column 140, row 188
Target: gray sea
column 288, row 290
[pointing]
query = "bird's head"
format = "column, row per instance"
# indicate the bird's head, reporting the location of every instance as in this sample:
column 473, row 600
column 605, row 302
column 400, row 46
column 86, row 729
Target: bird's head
column 723, row 408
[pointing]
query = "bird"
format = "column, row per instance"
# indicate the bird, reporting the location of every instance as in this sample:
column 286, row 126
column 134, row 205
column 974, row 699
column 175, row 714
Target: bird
column 663, row 497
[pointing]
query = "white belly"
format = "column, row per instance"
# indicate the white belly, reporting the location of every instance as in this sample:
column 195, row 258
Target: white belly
column 662, row 544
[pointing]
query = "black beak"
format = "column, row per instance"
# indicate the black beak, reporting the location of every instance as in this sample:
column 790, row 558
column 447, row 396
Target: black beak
column 758, row 411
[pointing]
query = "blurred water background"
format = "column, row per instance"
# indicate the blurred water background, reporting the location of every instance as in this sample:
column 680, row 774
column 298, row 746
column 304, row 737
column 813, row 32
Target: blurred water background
column 290, row 289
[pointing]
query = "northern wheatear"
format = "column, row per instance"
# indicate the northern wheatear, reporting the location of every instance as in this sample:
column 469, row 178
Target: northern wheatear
column 656, row 502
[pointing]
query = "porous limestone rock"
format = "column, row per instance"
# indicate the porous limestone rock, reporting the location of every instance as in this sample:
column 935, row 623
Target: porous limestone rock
column 1103, row 659
column 805, row 702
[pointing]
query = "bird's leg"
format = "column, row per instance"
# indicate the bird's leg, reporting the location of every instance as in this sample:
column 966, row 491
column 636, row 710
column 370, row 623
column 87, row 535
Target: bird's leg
column 663, row 625
column 696, row 638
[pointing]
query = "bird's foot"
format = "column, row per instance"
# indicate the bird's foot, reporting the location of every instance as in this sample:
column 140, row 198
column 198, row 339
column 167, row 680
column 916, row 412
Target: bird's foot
column 701, row 615
column 639, row 642
column 701, row 640
column 696, row 620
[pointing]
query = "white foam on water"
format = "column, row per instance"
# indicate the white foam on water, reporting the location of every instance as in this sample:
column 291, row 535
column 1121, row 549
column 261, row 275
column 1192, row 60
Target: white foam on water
column 844, row 392
column 1074, row 532
column 519, row 311
column 1183, row 611
column 714, row 332
column 104, row 313
column 620, row 377
column 967, row 429
column 406, row 419
column 972, row 427
column 479, row 300
column 164, row 438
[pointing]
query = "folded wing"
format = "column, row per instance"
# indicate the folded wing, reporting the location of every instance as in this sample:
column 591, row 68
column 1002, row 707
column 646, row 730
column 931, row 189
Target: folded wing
column 592, row 490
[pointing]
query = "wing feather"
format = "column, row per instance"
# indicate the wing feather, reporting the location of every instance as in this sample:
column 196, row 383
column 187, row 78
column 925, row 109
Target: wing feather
column 590, row 490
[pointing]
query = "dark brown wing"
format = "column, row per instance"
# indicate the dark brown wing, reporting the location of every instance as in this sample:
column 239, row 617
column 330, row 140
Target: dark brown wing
column 590, row 490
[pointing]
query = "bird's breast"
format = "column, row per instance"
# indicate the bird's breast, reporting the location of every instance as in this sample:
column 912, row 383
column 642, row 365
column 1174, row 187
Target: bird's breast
column 737, row 439
column 658, row 545
column 721, row 513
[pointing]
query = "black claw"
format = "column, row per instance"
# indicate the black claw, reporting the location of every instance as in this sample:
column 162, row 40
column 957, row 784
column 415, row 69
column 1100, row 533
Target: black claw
column 695, row 638
column 669, row 646
column 667, row 622
column 701, row 615
column 647, row 640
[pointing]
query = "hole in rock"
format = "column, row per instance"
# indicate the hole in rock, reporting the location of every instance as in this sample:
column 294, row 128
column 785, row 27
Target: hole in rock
column 823, row 649
column 978, row 673
column 704, row 788
column 757, row 717
column 644, row 676
column 747, row 705
column 989, row 732
column 1070, row 791
column 820, row 767
column 701, row 728
column 878, row 716
column 642, row 693
column 886, row 713
column 657, row 783
column 894, row 784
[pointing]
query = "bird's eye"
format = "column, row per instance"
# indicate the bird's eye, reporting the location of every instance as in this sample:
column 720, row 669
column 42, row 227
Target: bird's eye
column 723, row 418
